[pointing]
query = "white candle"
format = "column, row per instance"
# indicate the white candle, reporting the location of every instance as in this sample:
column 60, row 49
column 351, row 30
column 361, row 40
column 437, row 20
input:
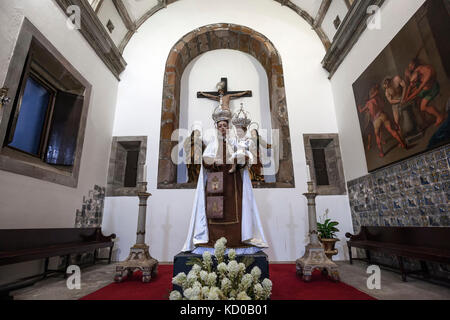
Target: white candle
column 308, row 174
column 144, row 175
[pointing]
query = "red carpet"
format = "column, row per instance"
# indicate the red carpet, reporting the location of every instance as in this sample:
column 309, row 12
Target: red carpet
column 286, row 286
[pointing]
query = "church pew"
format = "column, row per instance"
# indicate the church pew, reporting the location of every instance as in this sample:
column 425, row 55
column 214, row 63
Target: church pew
column 21, row 245
column 421, row 243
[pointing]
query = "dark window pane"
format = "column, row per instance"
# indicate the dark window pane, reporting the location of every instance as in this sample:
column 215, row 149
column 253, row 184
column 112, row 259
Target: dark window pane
column 31, row 118
column 320, row 166
column 131, row 169
column 62, row 140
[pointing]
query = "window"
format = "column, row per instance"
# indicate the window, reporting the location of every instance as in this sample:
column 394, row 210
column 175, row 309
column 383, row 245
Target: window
column 131, row 168
column 46, row 113
column 320, row 166
column 42, row 129
column 31, row 118
column 126, row 166
column 323, row 156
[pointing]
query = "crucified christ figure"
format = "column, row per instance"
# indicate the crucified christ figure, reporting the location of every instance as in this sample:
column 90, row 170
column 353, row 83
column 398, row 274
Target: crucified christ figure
column 224, row 98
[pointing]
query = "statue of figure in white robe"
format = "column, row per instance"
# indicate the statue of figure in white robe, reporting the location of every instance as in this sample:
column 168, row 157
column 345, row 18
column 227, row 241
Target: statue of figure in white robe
column 241, row 223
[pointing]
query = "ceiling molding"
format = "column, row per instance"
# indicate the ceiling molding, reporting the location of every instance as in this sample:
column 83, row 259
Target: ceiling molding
column 161, row 5
column 124, row 15
column 97, row 36
column 348, row 34
column 305, row 15
column 324, row 6
column 314, row 23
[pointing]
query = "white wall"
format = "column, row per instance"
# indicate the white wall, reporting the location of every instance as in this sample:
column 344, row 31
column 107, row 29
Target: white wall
column 337, row 8
column 310, row 107
column 394, row 15
column 30, row 203
column 108, row 12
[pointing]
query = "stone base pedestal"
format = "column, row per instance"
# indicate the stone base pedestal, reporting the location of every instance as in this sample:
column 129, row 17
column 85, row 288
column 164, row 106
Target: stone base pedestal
column 139, row 259
column 315, row 259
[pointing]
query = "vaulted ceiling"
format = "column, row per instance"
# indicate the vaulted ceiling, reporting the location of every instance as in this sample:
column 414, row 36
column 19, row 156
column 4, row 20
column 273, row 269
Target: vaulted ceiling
column 135, row 12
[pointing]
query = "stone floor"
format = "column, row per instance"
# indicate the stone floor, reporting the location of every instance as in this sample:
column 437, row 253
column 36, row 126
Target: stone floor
column 392, row 288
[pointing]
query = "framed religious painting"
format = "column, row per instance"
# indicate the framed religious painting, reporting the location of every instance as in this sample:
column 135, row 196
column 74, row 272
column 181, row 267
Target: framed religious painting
column 403, row 97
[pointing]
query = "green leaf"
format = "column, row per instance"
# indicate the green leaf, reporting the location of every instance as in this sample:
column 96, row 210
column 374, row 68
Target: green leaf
column 333, row 223
column 248, row 261
column 193, row 261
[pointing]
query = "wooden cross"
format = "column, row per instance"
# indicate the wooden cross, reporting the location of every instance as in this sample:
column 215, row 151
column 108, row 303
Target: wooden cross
column 226, row 95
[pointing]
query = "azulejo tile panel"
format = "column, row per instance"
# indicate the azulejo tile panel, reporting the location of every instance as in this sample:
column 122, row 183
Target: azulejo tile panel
column 414, row 192
column 91, row 213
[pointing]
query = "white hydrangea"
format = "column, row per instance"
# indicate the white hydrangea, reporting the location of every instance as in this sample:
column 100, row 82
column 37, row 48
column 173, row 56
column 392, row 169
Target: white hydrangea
column 256, row 273
column 204, row 276
column 222, row 268
column 226, row 284
column 226, row 281
column 246, row 282
column 207, row 260
column 175, row 295
column 243, row 296
column 196, row 291
column 205, row 291
column 232, row 254
column 233, row 269
column 214, row 294
column 191, row 278
column 212, row 278
column 180, row 279
column 267, row 286
column 259, row 291
column 188, row 293
column 219, row 249
column 196, row 268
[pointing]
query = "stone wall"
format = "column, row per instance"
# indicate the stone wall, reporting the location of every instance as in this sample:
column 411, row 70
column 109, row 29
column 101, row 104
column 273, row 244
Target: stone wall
column 414, row 192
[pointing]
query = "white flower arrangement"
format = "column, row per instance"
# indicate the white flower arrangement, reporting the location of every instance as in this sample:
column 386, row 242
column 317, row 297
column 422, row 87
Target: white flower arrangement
column 227, row 281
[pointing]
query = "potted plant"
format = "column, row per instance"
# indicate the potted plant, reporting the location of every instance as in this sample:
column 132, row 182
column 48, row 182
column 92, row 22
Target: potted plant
column 327, row 234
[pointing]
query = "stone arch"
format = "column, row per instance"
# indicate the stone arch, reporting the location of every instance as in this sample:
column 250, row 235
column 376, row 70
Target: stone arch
column 213, row 37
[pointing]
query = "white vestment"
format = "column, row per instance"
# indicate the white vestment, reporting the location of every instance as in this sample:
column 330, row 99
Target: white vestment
column 252, row 231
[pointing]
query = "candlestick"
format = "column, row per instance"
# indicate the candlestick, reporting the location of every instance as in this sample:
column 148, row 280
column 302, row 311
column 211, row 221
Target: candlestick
column 144, row 174
column 314, row 257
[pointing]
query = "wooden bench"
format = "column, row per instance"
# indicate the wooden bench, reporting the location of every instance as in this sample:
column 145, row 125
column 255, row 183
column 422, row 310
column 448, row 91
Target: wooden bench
column 421, row 243
column 21, row 245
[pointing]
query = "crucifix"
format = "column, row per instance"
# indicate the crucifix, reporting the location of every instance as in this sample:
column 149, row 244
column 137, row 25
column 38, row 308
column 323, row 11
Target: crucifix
column 223, row 95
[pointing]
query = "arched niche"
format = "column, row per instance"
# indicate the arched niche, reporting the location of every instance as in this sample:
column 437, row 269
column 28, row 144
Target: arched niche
column 213, row 37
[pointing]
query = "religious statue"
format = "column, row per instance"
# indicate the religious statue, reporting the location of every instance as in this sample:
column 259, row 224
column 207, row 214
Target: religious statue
column 243, row 145
column 193, row 150
column 256, row 169
column 224, row 204
column 223, row 96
